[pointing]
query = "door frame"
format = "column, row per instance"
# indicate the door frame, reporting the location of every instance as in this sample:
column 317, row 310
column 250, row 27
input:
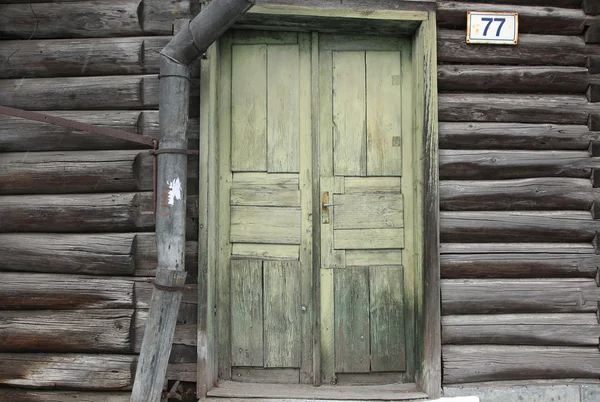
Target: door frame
column 420, row 24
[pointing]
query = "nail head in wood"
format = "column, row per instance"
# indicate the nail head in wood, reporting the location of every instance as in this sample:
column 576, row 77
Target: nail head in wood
column 591, row 7
column 593, row 64
column 593, row 93
column 593, row 122
column 592, row 34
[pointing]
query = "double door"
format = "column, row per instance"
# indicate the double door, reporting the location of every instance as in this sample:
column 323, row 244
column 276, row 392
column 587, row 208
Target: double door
column 314, row 266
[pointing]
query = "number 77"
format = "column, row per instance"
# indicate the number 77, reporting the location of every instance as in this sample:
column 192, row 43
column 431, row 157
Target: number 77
column 489, row 22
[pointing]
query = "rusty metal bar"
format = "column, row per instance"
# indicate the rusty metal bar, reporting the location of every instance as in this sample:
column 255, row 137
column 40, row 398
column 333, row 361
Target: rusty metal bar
column 76, row 125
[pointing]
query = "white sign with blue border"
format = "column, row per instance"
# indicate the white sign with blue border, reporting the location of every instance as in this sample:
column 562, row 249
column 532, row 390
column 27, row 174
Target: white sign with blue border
column 492, row 28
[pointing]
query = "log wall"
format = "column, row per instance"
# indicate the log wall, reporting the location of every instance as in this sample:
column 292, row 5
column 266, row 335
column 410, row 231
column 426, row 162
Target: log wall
column 76, row 209
column 519, row 195
column 519, row 168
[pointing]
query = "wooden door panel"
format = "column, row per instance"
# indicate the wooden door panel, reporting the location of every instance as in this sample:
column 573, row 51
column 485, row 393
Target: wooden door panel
column 368, row 211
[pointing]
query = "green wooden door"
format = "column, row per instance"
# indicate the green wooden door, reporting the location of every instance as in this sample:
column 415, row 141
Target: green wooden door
column 280, row 143
column 366, row 281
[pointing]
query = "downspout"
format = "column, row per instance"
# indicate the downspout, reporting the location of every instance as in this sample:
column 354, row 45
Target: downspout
column 175, row 58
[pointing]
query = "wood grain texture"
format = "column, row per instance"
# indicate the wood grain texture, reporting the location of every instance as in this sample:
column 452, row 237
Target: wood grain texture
column 19, row 135
column 20, row 291
column 96, row 254
column 534, row 50
column 22, row 395
column 364, row 258
column 521, row 329
column 282, row 314
column 505, row 108
column 476, row 135
column 387, row 317
column 521, row 194
column 349, row 114
column 504, row 296
column 368, row 211
column 265, row 251
column 246, row 313
column 383, row 102
column 265, row 376
column 539, row 20
column 85, row 331
column 524, row 226
column 67, row 371
column 371, row 185
column 502, row 164
column 514, row 79
column 489, row 363
column 283, row 108
column 271, row 225
column 349, row 239
column 508, row 248
column 266, row 196
column 352, row 341
column 519, row 265
column 249, row 108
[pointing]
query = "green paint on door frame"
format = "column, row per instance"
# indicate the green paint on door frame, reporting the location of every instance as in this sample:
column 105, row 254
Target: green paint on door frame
column 421, row 27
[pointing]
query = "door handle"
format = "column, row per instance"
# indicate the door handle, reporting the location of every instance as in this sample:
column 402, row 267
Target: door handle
column 327, row 205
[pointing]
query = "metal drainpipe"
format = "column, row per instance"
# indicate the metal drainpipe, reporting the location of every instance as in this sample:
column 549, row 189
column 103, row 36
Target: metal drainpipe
column 185, row 47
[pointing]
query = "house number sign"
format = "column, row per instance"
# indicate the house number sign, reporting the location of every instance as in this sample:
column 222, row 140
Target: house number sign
column 492, row 28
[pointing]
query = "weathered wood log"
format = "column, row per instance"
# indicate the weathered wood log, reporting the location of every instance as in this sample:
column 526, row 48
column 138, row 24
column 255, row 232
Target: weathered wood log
column 521, row 329
column 81, row 19
column 185, row 333
column 533, row 50
column 95, row 254
column 122, row 212
column 504, row 296
column 494, row 363
column 505, row 108
column 67, row 371
column 475, row 135
column 79, row 331
column 20, row 291
column 530, row 79
column 521, row 226
column 590, row 7
column 514, row 195
column 540, row 20
column 81, row 172
column 543, row 248
column 82, row 93
column 19, row 135
column 456, row 266
column 23, row 395
column 468, row 165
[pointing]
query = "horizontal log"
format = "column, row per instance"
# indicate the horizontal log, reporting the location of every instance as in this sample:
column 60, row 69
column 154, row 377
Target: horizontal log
column 503, row 296
column 94, row 254
column 79, row 331
column 508, row 108
column 122, row 92
column 524, row 226
column 20, row 135
column 501, row 165
column 464, row 364
column 122, row 212
column 553, row 3
column 521, row 79
column 519, row 265
column 143, row 294
column 29, row 395
column 185, row 334
column 475, row 135
column 82, row 172
column 540, row 20
column 67, row 371
column 543, row 248
column 73, row 57
column 92, row 18
column 26, row 291
column 521, row 194
column 522, row 329
column 533, row 50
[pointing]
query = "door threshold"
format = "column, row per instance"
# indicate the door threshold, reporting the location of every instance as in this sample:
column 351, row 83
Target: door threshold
column 387, row 392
